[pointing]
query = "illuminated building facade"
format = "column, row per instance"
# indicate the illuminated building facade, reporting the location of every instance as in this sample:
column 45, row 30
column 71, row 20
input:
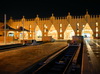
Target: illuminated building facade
column 57, row 27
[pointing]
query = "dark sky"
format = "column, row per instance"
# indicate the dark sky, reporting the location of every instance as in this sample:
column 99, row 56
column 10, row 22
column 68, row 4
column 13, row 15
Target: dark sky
column 45, row 8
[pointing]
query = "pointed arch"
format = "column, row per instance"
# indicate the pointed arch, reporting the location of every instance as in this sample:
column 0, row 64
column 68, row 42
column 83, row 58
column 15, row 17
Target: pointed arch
column 53, row 32
column 69, row 32
column 37, row 34
column 87, row 31
column 73, row 26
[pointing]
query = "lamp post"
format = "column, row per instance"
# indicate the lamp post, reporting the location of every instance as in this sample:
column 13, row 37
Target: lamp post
column 23, row 29
column 77, row 28
column 4, row 28
column 34, row 31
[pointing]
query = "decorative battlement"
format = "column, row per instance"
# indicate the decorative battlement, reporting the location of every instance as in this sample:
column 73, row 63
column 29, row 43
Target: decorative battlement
column 68, row 17
column 58, row 27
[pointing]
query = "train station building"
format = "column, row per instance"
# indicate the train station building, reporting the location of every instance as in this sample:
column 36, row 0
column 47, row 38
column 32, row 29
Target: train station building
column 58, row 27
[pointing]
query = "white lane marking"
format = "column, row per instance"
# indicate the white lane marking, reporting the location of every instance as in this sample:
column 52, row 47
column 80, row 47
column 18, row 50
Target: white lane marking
column 93, row 58
column 96, row 43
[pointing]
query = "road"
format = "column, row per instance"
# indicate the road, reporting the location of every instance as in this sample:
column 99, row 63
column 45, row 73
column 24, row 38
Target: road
column 93, row 50
column 16, row 60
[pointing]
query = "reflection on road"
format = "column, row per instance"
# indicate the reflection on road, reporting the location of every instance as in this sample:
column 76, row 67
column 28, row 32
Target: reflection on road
column 93, row 48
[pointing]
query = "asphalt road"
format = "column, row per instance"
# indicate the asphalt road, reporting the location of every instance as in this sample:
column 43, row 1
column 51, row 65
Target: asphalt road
column 93, row 50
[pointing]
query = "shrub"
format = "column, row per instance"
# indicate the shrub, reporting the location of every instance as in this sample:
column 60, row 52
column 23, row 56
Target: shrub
column 69, row 41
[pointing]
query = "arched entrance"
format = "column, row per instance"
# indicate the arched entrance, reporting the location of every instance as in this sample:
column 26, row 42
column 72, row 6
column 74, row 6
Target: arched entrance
column 87, row 32
column 69, row 32
column 38, row 34
column 53, row 32
column 25, row 34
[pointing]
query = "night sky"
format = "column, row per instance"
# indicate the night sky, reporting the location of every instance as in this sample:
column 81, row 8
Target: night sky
column 44, row 8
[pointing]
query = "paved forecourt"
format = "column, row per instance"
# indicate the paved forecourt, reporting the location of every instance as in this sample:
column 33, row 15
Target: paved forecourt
column 16, row 60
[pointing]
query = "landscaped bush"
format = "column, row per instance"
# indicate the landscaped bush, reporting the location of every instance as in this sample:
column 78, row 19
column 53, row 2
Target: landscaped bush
column 69, row 41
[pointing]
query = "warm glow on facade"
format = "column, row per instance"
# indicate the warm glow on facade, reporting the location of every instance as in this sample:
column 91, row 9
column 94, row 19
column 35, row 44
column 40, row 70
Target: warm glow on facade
column 17, row 26
column 60, row 35
column 83, row 26
column 96, row 29
column 30, row 35
column 60, row 25
column 30, row 26
column 87, row 31
column 96, row 34
column 52, row 32
column 69, row 32
column 78, row 24
column 96, row 23
column 45, row 26
column 30, row 32
column 62, row 28
column 44, row 30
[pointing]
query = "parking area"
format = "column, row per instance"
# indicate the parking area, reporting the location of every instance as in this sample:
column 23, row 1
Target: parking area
column 16, row 60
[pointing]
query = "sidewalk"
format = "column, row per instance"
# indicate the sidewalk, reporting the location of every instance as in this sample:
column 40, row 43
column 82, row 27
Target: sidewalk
column 15, row 42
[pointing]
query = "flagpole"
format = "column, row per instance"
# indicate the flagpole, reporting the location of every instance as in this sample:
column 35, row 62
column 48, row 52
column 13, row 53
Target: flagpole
column 4, row 28
column 23, row 29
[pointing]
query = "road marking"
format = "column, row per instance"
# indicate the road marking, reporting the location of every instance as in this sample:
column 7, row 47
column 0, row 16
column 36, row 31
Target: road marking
column 93, row 58
column 96, row 43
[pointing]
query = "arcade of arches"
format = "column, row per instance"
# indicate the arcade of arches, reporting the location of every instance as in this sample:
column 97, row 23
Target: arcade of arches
column 57, row 27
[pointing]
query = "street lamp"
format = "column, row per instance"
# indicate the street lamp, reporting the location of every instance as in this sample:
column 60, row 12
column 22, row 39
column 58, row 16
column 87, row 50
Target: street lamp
column 34, row 31
column 23, row 29
column 77, row 29
column 4, row 28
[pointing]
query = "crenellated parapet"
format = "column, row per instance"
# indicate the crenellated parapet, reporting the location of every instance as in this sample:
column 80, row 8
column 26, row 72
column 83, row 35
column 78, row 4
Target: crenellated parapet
column 77, row 23
column 69, row 17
